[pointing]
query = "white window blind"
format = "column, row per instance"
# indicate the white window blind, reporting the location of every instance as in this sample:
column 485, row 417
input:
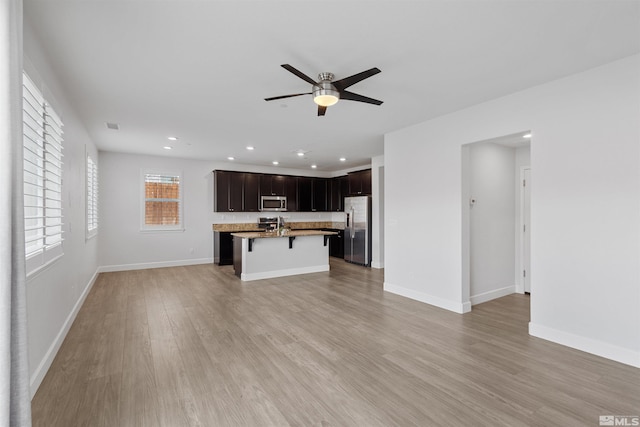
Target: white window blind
column 92, row 197
column 162, row 201
column 42, row 146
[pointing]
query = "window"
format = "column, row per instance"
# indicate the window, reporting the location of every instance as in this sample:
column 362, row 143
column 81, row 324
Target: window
column 162, row 201
column 42, row 146
column 92, row 197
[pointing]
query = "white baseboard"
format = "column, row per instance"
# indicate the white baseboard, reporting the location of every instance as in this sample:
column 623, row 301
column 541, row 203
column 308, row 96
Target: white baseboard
column 246, row 277
column 377, row 264
column 458, row 307
column 488, row 296
column 47, row 360
column 146, row 265
column 589, row 345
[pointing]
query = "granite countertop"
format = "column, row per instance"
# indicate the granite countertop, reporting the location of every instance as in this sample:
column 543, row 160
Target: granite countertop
column 292, row 233
column 252, row 226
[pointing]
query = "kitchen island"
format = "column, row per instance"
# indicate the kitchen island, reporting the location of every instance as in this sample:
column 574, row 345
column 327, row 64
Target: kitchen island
column 264, row 255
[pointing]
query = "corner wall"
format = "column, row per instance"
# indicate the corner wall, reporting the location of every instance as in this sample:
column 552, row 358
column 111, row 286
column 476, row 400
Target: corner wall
column 585, row 241
column 56, row 293
column 122, row 245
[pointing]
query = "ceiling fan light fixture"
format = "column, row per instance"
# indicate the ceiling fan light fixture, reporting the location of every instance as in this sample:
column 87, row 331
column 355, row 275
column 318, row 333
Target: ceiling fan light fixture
column 324, row 93
column 326, row 100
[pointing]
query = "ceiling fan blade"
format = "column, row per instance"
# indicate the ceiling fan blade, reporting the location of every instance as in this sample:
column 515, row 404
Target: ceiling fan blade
column 350, row 96
column 298, row 73
column 321, row 110
column 351, row 80
column 286, row 96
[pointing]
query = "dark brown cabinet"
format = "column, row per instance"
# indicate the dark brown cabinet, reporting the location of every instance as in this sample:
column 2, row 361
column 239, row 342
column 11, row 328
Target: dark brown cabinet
column 291, row 191
column 312, row 194
column 360, row 183
column 228, row 191
column 336, row 244
column 241, row 191
column 338, row 188
column 272, row 185
column 319, row 190
column 305, row 194
column 223, row 248
column 251, row 192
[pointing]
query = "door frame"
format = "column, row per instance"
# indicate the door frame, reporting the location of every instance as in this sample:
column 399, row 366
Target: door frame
column 521, row 241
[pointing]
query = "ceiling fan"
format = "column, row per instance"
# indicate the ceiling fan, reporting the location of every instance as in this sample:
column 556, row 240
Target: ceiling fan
column 327, row 92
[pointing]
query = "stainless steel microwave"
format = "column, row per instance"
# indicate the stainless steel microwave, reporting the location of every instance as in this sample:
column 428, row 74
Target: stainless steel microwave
column 273, row 203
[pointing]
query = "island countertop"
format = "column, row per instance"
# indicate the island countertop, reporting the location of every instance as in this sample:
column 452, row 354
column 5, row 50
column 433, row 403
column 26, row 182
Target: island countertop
column 294, row 225
column 291, row 233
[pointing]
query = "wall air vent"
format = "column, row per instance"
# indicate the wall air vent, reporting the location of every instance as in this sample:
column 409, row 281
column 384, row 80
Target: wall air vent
column 113, row 126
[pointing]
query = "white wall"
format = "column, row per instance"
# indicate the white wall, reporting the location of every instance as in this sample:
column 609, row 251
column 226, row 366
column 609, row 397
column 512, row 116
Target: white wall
column 492, row 221
column 585, row 249
column 123, row 245
column 55, row 294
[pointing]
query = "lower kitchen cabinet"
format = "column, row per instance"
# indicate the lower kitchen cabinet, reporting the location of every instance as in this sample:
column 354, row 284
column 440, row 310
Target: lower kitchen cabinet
column 223, row 247
column 336, row 244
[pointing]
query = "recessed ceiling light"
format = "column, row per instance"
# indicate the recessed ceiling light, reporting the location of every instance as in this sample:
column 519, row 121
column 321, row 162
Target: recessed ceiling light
column 314, row 166
column 275, row 162
column 231, row 158
column 172, row 138
column 526, row 135
column 166, row 147
column 342, row 159
column 300, row 153
column 250, row 148
column 112, row 126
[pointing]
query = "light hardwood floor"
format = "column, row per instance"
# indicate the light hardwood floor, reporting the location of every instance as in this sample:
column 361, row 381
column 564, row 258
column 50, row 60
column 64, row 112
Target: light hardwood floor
column 192, row 346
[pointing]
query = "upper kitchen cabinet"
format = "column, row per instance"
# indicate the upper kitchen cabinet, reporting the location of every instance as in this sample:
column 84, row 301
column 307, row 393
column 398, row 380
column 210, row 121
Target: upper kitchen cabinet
column 305, row 196
column 272, row 185
column 228, row 191
column 360, row 182
column 337, row 189
column 319, row 195
column 291, row 191
column 251, row 192
column 312, row 194
column 241, row 191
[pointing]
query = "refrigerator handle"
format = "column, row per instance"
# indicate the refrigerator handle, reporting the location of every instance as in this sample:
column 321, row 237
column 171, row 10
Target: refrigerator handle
column 353, row 228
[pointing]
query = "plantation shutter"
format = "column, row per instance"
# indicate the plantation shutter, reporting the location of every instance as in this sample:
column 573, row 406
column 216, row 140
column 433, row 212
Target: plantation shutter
column 42, row 166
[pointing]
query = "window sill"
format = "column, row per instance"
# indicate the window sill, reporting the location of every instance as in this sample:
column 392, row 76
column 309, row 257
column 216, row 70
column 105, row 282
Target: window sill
column 162, row 230
column 41, row 268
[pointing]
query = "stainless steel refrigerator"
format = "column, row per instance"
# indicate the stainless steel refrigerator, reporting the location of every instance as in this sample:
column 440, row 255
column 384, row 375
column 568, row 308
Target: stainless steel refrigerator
column 357, row 231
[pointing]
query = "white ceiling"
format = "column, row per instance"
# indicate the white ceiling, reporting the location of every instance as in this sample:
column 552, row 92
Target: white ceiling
column 200, row 70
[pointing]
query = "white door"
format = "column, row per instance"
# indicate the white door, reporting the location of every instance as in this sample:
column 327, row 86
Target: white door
column 526, row 229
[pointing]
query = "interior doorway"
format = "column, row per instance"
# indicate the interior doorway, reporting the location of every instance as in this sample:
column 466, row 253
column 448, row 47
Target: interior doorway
column 496, row 217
